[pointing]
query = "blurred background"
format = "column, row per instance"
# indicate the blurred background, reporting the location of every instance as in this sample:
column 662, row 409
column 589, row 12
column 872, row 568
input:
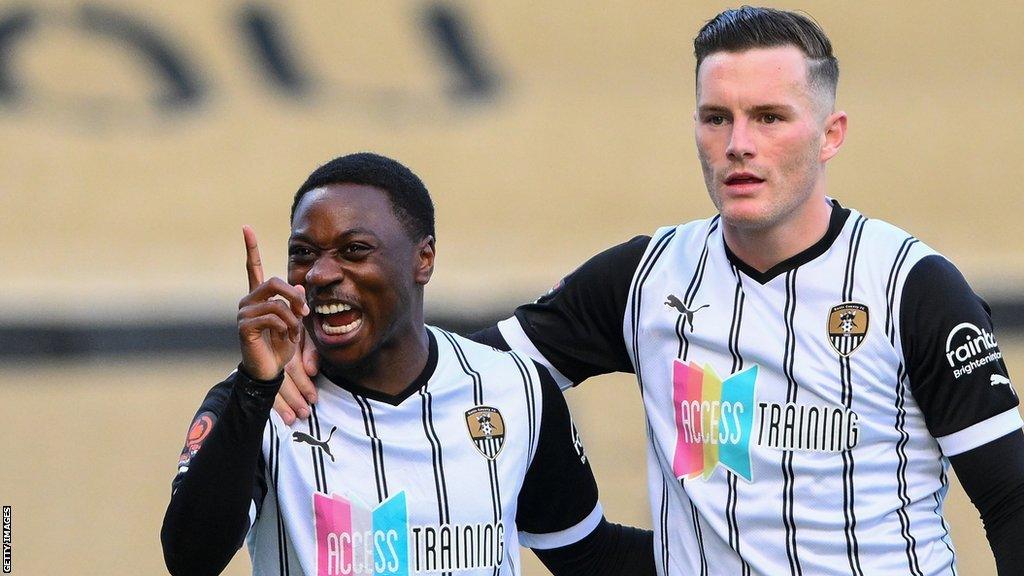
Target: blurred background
column 137, row 137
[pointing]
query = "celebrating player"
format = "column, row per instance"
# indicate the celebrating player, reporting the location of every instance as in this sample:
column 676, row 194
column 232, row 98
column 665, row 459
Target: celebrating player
column 808, row 373
column 427, row 452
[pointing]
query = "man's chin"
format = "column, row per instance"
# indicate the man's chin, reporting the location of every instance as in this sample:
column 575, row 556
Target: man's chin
column 747, row 216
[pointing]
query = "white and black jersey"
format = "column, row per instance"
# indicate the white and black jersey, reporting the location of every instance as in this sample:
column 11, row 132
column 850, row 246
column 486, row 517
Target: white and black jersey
column 800, row 419
column 476, row 457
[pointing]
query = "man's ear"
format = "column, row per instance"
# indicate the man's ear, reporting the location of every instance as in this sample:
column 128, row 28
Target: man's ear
column 424, row 260
column 835, row 135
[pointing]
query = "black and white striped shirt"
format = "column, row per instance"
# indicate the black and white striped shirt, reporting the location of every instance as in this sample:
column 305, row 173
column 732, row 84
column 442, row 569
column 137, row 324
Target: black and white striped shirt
column 800, row 419
column 476, row 457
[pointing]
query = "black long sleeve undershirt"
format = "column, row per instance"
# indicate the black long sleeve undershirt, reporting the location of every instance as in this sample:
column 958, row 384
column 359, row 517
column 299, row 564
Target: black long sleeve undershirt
column 208, row 517
column 993, row 477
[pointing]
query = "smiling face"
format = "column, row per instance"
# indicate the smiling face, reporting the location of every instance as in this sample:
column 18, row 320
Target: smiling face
column 763, row 135
column 363, row 274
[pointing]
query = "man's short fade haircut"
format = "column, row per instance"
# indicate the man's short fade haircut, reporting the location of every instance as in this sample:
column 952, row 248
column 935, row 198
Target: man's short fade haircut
column 409, row 198
column 751, row 27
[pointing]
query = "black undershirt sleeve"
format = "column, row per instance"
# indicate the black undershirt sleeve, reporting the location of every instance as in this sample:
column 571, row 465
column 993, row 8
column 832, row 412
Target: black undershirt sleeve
column 993, row 477
column 220, row 475
column 959, row 379
column 577, row 325
column 559, row 492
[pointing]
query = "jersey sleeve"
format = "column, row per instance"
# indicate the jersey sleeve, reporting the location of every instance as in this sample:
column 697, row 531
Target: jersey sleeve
column 558, row 502
column 220, row 483
column 575, row 330
column 956, row 369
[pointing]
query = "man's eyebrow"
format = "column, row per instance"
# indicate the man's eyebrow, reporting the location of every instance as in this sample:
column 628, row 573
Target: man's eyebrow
column 772, row 108
column 755, row 109
column 300, row 236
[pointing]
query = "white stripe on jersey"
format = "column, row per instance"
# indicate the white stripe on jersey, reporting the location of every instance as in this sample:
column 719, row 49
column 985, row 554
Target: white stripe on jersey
column 403, row 489
column 981, row 433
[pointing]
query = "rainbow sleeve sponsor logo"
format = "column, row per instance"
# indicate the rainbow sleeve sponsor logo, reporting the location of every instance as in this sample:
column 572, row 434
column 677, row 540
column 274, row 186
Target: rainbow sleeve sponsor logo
column 714, row 420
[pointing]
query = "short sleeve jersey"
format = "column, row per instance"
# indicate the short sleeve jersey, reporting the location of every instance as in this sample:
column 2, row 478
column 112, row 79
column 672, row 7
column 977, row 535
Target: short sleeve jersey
column 476, row 457
column 798, row 418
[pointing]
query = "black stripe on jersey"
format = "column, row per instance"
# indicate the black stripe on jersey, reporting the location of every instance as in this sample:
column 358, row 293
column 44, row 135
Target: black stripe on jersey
column 700, row 540
column 890, row 285
column 942, row 517
column 664, row 524
column 691, row 292
column 318, row 452
column 637, row 292
column 275, row 466
column 376, row 447
column 788, row 359
column 901, row 412
column 531, row 400
column 684, row 349
column 845, row 375
column 436, row 457
column 478, row 398
column 737, row 365
column 478, row 389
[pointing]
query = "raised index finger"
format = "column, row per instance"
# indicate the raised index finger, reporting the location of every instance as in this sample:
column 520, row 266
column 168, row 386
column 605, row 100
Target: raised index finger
column 253, row 264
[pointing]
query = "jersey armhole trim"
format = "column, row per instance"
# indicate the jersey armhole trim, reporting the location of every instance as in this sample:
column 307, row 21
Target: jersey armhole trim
column 252, row 513
column 981, row 433
column 564, row 537
column 517, row 339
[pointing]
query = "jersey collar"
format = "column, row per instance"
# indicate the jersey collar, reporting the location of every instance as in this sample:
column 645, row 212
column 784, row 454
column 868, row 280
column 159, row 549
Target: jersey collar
column 835, row 226
column 395, row 399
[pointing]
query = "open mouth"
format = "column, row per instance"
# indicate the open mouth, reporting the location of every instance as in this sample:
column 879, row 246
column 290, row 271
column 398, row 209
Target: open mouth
column 336, row 319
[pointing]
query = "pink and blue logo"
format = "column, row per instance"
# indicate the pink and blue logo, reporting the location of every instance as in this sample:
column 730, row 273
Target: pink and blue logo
column 714, row 420
column 354, row 540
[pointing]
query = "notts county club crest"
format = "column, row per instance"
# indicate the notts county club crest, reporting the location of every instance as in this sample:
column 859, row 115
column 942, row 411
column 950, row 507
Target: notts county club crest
column 847, row 326
column 487, row 430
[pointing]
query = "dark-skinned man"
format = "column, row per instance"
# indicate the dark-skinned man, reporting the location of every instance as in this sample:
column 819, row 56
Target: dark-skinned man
column 426, row 453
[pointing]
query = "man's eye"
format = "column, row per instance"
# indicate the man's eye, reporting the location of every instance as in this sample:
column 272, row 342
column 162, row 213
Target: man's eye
column 770, row 118
column 355, row 249
column 716, row 120
column 299, row 253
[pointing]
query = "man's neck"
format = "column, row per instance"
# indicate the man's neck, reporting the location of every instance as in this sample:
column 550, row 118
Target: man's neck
column 392, row 368
column 766, row 247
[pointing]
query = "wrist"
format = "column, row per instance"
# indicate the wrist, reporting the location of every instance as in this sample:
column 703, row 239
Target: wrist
column 258, row 387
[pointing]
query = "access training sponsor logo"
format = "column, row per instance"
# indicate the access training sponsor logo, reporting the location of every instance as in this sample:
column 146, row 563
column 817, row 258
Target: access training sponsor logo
column 354, row 540
column 719, row 421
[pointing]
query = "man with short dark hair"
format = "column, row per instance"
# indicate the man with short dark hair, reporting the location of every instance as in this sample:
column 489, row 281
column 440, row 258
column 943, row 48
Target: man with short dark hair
column 808, row 374
column 427, row 453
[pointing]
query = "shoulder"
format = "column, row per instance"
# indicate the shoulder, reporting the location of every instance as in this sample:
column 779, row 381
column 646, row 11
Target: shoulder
column 470, row 352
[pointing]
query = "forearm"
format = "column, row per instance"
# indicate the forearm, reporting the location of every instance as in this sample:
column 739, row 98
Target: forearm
column 208, row 515
column 610, row 550
column 993, row 477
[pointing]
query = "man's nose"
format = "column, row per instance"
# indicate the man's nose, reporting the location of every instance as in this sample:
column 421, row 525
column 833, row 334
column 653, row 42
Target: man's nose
column 741, row 142
column 324, row 271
